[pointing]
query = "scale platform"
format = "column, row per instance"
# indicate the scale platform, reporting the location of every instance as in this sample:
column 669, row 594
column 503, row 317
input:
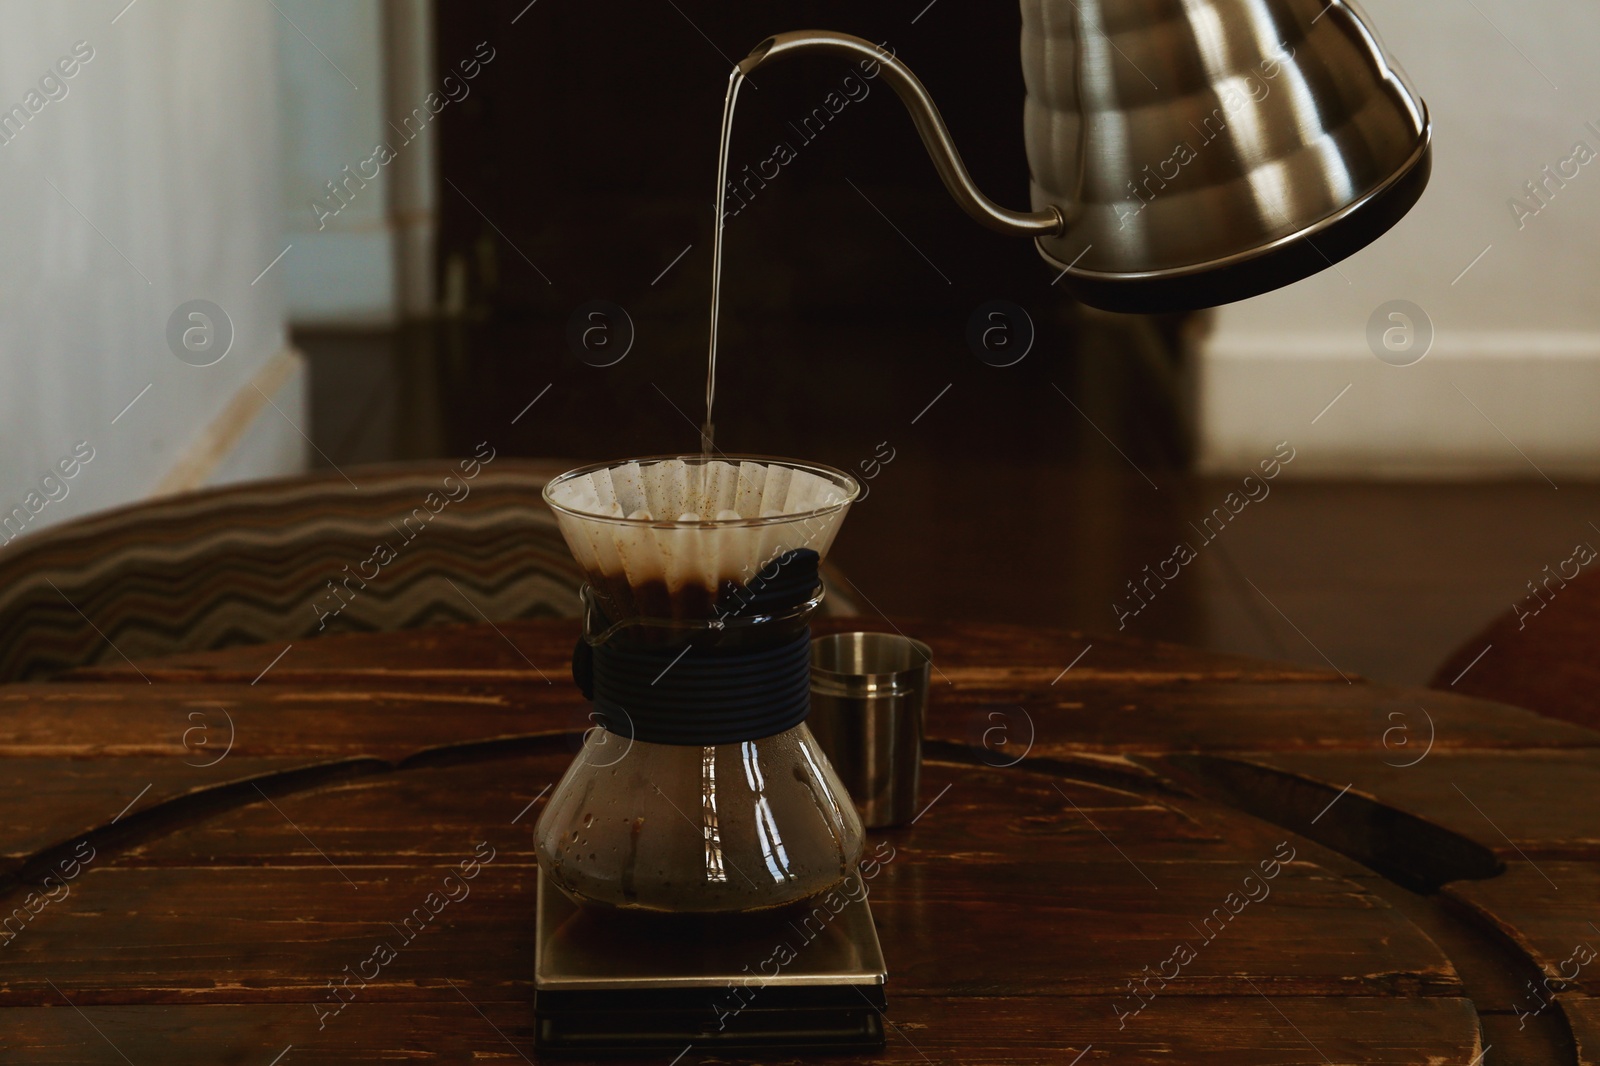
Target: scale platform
column 800, row 978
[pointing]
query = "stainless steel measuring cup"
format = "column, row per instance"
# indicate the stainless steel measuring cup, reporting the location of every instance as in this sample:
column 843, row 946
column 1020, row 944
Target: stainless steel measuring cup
column 869, row 699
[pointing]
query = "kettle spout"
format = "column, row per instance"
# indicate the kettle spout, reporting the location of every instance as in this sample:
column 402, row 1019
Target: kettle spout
column 1050, row 222
column 756, row 56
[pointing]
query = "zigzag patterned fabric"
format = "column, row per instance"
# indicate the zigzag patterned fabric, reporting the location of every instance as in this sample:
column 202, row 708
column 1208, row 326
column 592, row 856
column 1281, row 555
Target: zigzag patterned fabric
column 418, row 544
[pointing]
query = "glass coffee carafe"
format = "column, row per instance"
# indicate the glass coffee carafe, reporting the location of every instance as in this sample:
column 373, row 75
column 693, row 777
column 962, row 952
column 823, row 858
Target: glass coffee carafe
column 701, row 790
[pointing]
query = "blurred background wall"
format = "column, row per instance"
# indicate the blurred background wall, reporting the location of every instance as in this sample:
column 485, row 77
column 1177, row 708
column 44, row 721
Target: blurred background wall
column 185, row 161
column 140, row 182
column 576, row 165
column 353, row 76
column 1511, row 332
column 331, row 62
column 1509, row 294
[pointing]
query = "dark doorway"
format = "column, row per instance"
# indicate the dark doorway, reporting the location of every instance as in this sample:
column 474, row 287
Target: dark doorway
column 582, row 169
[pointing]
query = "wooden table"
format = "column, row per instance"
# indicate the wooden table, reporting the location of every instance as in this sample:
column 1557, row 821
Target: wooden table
column 1155, row 856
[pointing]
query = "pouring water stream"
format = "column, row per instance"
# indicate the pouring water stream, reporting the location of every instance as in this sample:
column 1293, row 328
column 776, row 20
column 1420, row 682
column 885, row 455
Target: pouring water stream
column 707, row 431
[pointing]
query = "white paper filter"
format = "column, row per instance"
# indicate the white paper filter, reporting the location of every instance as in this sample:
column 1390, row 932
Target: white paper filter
column 679, row 521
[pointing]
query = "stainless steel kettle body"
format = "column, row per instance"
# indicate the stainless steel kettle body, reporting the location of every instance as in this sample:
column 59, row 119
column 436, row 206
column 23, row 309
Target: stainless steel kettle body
column 1187, row 153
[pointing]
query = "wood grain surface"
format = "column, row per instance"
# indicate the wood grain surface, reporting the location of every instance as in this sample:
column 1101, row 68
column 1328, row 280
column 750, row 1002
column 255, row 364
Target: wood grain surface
column 198, row 845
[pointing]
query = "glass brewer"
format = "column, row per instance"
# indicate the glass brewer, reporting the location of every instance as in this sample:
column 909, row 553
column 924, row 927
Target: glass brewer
column 700, row 790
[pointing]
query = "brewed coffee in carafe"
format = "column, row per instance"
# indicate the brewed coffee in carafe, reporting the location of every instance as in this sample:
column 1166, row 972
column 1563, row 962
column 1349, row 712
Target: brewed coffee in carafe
column 701, row 790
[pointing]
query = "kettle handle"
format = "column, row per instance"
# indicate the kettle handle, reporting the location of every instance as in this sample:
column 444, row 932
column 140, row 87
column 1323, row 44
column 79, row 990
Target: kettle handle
column 1050, row 222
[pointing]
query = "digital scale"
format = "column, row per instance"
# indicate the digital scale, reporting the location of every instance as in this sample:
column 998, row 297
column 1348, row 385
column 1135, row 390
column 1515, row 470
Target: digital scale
column 800, row 978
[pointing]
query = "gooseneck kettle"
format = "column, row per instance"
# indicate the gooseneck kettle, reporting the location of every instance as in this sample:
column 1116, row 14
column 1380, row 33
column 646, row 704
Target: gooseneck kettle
column 1187, row 153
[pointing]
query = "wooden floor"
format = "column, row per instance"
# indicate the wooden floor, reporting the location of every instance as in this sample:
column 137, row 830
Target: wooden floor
column 1381, row 580
column 1005, row 501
